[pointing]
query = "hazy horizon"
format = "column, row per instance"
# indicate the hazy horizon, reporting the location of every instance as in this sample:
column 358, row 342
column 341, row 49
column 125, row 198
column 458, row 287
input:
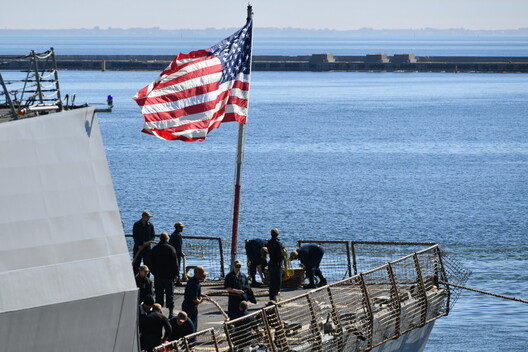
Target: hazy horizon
column 276, row 31
column 309, row 14
column 260, row 27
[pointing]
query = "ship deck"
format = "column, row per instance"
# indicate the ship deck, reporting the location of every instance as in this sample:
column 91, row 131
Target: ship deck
column 334, row 316
column 209, row 316
column 6, row 116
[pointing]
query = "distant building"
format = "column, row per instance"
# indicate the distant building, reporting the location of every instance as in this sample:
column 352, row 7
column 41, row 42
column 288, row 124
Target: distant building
column 322, row 58
column 377, row 59
column 403, row 59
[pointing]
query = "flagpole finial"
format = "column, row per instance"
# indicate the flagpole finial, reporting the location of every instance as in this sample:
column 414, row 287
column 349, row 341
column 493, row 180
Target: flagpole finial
column 249, row 11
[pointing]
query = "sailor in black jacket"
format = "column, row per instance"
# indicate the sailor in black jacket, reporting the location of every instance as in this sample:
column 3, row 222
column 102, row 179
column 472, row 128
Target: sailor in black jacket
column 276, row 257
column 153, row 326
column 164, row 266
column 255, row 259
column 143, row 233
column 310, row 256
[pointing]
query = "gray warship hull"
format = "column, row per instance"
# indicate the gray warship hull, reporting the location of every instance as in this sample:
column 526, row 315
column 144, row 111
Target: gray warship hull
column 67, row 283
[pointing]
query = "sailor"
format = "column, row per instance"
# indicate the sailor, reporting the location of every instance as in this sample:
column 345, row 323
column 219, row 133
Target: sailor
column 255, row 260
column 144, row 309
column 143, row 282
column 181, row 326
column 247, row 327
column 164, row 266
column 276, row 257
column 234, row 283
column 155, row 326
column 176, row 241
column 143, row 233
column 193, row 294
column 310, row 256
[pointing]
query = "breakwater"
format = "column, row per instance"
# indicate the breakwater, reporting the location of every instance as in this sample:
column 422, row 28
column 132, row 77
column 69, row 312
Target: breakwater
column 315, row 62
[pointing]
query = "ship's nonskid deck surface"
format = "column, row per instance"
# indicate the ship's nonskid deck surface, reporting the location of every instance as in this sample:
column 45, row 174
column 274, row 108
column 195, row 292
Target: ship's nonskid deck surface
column 391, row 308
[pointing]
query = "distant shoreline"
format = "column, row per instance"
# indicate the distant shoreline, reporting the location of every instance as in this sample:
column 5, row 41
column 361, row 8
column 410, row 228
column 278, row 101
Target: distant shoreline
column 316, row 63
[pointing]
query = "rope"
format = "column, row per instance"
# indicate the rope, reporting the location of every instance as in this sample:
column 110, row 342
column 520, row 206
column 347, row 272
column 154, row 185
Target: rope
column 147, row 243
column 215, row 303
column 485, row 292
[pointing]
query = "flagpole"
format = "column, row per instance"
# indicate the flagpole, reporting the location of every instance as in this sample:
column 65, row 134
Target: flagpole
column 238, row 172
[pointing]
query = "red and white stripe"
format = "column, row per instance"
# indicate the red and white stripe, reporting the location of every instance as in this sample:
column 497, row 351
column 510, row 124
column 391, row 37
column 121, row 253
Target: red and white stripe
column 187, row 100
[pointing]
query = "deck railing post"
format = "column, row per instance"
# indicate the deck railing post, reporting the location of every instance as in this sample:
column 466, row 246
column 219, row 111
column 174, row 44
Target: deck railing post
column 395, row 301
column 186, row 344
column 349, row 264
column 8, row 98
column 314, row 327
column 267, row 328
column 37, row 76
column 444, row 274
column 336, row 320
column 215, row 340
column 280, row 334
column 354, row 261
column 222, row 269
column 421, row 288
column 228, row 337
column 56, row 76
column 366, row 302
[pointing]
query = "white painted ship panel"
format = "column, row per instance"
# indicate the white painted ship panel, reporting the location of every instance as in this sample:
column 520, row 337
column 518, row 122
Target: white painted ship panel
column 64, row 264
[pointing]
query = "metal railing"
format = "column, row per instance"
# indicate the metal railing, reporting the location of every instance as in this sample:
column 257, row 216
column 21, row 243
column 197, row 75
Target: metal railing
column 354, row 314
column 38, row 91
column 336, row 263
column 342, row 259
column 200, row 250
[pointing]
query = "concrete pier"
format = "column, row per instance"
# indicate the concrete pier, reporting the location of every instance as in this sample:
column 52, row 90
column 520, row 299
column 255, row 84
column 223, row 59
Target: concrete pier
column 315, row 62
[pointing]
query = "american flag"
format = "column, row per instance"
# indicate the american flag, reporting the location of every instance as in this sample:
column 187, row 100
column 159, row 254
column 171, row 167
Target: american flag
column 200, row 90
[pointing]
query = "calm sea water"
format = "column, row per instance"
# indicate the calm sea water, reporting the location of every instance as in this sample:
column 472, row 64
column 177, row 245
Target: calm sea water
column 264, row 45
column 356, row 156
column 435, row 157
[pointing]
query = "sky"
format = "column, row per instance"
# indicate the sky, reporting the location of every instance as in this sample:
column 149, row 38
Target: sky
column 310, row 14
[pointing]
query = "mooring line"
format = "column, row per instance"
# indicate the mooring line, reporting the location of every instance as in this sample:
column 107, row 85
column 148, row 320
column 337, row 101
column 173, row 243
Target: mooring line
column 485, row 292
column 215, row 303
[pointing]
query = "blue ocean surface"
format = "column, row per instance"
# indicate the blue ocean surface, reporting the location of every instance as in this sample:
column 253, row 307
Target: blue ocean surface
column 163, row 44
column 436, row 157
